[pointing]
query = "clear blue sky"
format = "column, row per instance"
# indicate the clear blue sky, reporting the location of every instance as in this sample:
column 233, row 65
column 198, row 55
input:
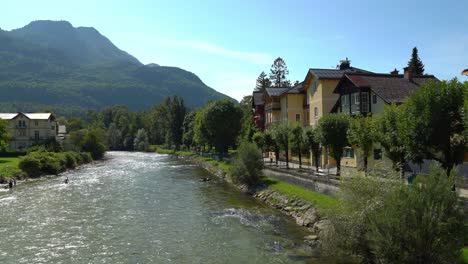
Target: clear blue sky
column 228, row 43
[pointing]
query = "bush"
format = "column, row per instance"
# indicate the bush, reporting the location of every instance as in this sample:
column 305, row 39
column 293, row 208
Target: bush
column 86, row 157
column 386, row 221
column 422, row 223
column 247, row 166
column 31, row 166
column 70, row 159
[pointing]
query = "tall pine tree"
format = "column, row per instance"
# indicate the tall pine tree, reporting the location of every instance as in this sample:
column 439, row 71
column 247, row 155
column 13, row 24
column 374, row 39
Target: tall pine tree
column 415, row 64
column 278, row 73
column 262, row 82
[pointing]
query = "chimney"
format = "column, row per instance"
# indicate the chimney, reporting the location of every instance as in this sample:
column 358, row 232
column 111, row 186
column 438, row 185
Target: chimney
column 408, row 74
column 394, row 72
column 345, row 64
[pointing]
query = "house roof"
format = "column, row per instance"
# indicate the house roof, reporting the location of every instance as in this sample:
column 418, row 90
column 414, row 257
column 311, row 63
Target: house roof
column 258, row 98
column 276, row 91
column 333, row 73
column 392, row 88
column 33, row 116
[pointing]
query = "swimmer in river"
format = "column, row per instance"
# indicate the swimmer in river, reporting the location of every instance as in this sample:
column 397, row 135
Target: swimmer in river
column 66, row 180
column 10, row 184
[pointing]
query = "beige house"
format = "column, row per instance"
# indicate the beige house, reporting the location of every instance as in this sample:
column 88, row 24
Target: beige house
column 27, row 129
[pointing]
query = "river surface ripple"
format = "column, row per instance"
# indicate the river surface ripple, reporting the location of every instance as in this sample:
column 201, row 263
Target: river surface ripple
column 142, row 208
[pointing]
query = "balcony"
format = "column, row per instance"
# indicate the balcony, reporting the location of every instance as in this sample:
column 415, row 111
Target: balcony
column 273, row 106
column 21, row 127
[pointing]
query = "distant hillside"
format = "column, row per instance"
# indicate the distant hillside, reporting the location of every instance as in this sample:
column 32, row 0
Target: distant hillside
column 49, row 64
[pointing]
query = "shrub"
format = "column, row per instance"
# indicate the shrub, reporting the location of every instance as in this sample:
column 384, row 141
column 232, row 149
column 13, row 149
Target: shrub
column 248, row 165
column 30, row 165
column 86, row 157
column 70, row 159
column 386, row 221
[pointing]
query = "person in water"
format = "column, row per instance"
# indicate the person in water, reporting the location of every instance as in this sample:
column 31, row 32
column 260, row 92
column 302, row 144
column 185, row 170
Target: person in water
column 66, row 180
column 10, row 184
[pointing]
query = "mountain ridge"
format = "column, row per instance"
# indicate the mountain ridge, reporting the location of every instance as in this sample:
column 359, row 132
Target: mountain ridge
column 55, row 64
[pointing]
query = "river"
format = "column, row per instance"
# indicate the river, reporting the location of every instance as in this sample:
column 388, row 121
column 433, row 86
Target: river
column 143, row 208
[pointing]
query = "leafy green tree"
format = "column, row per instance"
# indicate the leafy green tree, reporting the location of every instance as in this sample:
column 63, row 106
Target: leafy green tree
column 262, row 82
column 188, row 129
column 270, row 144
column 361, row 135
column 297, row 141
column 312, row 143
column 4, row 135
column 176, row 114
column 93, row 143
column 247, row 165
column 114, row 136
column 435, row 123
column 422, row 223
column 278, row 73
column 391, row 133
column 248, row 127
column 259, row 139
column 281, row 134
column 74, row 124
column 415, row 64
column 222, row 120
column 333, row 129
column 140, row 142
column 200, row 136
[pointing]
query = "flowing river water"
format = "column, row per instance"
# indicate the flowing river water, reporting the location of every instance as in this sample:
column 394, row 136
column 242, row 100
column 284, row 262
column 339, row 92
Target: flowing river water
column 143, row 208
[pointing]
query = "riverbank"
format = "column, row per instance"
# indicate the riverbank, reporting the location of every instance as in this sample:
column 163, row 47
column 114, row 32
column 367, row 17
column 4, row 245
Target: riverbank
column 305, row 206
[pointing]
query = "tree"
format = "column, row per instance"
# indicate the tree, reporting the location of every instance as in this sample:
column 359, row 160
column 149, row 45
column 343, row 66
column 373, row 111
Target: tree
column 435, row 123
column 247, row 166
column 4, row 135
column 297, row 141
column 262, row 82
column 188, row 129
column 415, row 64
column 278, row 73
column 140, row 142
column 200, row 135
column 259, row 139
column 93, row 143
column 312, row 142
column 176, row 114
column 270, row 144
column 248, row 127
column 222, row 120
column 281, row 134
column 361, row 135
column 391, row 133
column 115, row 137
column 333, row 129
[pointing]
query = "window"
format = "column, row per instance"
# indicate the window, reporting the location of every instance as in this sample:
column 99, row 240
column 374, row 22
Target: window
column 365, row 102
column 36, row 135
column 377, row 154
column 344, row 100
column 356, row 99
column 22, row 133
column 348, row 152
column 298, row 117
column 315, row 112
column 374, row 99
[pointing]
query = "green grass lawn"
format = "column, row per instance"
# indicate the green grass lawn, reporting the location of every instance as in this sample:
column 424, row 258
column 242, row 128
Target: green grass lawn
column 9, row 166
column 322, row 201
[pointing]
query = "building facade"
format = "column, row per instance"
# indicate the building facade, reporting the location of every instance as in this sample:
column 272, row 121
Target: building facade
column 27, row 129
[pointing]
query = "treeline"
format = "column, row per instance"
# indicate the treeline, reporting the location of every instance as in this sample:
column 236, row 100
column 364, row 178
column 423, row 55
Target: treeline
column 218, row 126
column 430, row 125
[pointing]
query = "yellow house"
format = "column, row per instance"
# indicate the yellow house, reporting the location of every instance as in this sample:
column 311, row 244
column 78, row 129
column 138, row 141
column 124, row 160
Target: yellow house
column 29, row 128
column 318, row 87
column 292, row 106
column 367, row 94
column 272, row 101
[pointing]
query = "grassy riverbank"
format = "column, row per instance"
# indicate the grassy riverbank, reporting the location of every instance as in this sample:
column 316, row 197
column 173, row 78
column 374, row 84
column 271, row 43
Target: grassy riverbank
column 9, row 167
column 321, row 201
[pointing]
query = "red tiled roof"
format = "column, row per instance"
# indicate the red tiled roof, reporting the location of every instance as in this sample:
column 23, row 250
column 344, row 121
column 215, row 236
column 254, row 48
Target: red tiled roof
column 392, row 88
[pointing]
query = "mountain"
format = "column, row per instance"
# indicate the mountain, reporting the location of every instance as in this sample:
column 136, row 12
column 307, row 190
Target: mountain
column 51, row 64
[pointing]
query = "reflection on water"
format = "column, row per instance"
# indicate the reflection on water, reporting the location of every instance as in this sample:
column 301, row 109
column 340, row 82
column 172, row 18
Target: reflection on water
column 142, row 208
